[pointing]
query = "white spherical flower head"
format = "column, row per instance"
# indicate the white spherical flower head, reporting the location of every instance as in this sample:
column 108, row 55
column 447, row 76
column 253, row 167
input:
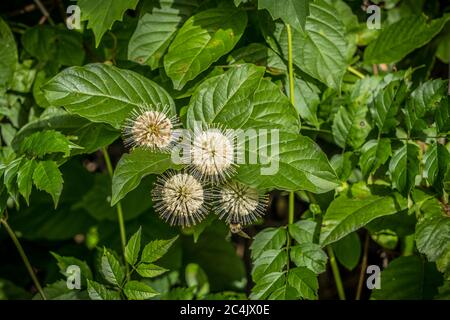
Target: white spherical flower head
column 212, row 155
column 150, row 129
column 179, row 198
column 239, row 204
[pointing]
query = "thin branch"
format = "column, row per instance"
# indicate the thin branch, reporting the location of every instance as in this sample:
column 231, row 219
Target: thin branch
column 44, row 11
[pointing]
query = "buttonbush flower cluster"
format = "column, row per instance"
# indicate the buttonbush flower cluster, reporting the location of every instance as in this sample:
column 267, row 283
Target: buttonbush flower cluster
column 185, row 198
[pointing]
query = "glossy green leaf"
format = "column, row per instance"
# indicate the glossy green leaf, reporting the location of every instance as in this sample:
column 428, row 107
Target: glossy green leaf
column 156, row 249
column 309, row 255
column 226, row 98
column 386, row 105
column 293, row 12
column 350, row 126
column 133, row 248
column 47, row 177
column 404, row 167
column 203, row 39
column 433, row 235
column 271, row 260
column 98, row 291
column 400, row 38
column 90, row 136
column 25, row 179
column 437, row 161
column 45, row 142
column 293, row 162
column 111, row 268
column 305, row 282
column 156, row 28
column 323, row 47
column 149, row 270
column 135, row 290
column 134, row 166
column 345, row 215
column 267, row 285
column 269, row 238
column 103, row 13
column 302, row 231
column 260, row 55
column 374, row 153
column 104, row 93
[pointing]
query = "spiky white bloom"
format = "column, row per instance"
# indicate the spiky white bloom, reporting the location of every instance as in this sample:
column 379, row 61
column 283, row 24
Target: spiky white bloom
column 180, row 199
column 151, row 127
column 212, row 155
column 239, row 204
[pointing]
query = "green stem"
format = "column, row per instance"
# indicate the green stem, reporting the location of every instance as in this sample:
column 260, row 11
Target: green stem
column 356, row 72
column 336, row 274
column 24, row 258
column 292, row 99
column 363, row 268
column 123, row 234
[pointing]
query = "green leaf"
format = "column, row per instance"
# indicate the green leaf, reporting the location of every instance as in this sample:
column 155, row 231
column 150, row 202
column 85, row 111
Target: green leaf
column 196, row 278
column 54, row 46
column 303, row 231
column 134, row 166
column 269, row 238
column 285, row 292
column 348, row 250
column 433, row 236
column 374, row 153
column 305, row 282
column 47, row 177
column 65, row 262
column 400, row 38
column 267, row 285
column 59, row 291
column 104, row 93
column 156, row 28
column 135, row 290
column 25, row 179
column 293, row 12
column 404, row 167
column 8, row 55
column 103, row 13
column 156, row 249
column 133, row 247
column 307, row 100
column 45, row 142
column 259, row 54
column 408, row 278
column 149, row 270
column 271, row 260
column 345, row 215
column 442, row 116
column 298, row 164
column 240, row 98
column 437, row 161
column 202, row 40
column 98, row 291
column 386, row 104
column 226, row 98
column 323, row 47
column 90, row 136
column 350, row 126
column 311, row 256
column 111, row 268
